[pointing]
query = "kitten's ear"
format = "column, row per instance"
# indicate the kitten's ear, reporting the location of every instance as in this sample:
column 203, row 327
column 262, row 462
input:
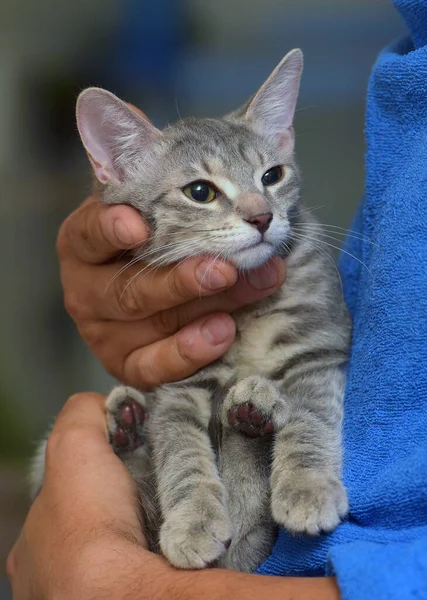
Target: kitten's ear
column 112, row 133
column 271, row 111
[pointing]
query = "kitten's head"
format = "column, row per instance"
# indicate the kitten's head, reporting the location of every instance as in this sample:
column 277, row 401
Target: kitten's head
column 225, row 187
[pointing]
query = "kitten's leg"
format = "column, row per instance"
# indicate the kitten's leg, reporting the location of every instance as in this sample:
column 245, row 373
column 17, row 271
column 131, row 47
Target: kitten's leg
column 252, row 410
column 307, row 493
column 127, row 416
column 196, row 529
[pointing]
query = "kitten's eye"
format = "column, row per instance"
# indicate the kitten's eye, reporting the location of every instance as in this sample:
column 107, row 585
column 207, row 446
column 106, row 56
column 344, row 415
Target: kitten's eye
column 272, row 176
column 200, row 191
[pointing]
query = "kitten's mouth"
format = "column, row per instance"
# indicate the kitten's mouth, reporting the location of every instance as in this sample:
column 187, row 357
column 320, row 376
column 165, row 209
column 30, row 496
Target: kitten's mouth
column 254, row 245
column 254, row 255
column 262, row 241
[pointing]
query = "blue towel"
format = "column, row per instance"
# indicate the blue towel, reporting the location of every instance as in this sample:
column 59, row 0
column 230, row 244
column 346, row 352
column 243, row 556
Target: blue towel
column 380, row 552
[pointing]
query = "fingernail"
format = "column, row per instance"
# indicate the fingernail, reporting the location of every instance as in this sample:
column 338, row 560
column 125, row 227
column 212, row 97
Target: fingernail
column 215, row 330
column 263, row 278
column 210, row 277
column 123, row 233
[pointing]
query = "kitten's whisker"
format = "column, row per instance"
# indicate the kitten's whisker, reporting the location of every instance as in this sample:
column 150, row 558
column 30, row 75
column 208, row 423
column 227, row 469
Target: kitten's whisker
column 177, row 107
column 326, row 229
column 336, row 248
column 210, row 267
column 121, row 270
column 344, row 231
column 326, row 255
column 321, row 232
column 181, row 259
column 190, row 228
column 136, row 259
column 172, row 255
column 149, row 266
column 314, row 208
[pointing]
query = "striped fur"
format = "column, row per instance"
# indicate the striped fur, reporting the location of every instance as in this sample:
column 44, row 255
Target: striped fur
column 202, row 482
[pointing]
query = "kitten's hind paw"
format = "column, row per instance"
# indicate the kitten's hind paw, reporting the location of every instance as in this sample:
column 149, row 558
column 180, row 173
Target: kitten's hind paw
column 126, row 416
column 309, row 503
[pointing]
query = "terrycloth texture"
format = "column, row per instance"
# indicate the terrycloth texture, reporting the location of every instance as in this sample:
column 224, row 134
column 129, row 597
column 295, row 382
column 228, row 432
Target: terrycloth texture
column 380, row 552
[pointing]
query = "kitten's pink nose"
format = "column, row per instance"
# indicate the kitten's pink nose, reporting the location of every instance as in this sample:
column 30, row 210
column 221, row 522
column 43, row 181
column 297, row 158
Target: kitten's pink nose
column 261, row 222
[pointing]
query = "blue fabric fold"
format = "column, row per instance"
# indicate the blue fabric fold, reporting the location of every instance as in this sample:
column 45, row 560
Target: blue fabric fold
column 380, row 550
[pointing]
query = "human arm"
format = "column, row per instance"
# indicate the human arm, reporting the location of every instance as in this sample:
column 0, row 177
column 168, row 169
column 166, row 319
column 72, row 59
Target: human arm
column 82, row 537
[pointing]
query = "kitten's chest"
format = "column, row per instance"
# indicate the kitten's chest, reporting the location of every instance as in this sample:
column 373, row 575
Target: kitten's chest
column 255, row 351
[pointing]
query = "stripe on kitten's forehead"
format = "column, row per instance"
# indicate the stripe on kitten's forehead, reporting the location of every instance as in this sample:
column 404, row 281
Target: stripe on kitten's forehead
column 226, row 186
column 230, row 189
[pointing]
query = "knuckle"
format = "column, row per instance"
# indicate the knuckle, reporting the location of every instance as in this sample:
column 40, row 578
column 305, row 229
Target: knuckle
column 129, row 298
column 187, row 353
column 114, row 365
column 74, row 305
column 139, row 370
column 10, row 564
column 147, row 379
column 93, row 334
column 116, row 371
column 76, row 399
column 166, row 322
column 62, row 241
column 178, row 289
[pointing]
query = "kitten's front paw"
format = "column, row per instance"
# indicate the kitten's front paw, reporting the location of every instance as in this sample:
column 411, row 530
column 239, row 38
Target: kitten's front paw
column 126, row 416
column 254, row 407
column 194, row 539
column 309, row 503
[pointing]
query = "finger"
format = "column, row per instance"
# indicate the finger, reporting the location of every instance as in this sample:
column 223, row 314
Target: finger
column 181, row 355
column 131, row 336
column 79, row 459
column 250, row 288
column 194, row 288
column 94, row 233
column 132, row 294
column 84, row 412
column 81, row 466
column 80, row 432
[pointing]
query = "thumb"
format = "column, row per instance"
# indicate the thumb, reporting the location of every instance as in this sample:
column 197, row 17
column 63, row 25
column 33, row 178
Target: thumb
column 84, row 476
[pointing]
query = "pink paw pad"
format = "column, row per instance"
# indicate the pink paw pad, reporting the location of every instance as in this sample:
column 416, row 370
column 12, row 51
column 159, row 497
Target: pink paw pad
column 250, row 420
column 130, row 418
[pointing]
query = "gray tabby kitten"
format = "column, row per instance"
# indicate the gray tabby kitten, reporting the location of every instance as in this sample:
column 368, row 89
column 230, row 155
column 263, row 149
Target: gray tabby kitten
column 253, row 440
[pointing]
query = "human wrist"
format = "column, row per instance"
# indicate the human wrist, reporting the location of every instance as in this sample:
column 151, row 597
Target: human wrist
column 218, row 584
column 118, row 568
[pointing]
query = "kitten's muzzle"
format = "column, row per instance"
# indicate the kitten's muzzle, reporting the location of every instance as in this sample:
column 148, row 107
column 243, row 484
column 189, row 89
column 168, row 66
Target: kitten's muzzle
column 261, row 221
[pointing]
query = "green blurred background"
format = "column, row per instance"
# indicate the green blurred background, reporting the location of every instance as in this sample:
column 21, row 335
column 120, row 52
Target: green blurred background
column 169, row 57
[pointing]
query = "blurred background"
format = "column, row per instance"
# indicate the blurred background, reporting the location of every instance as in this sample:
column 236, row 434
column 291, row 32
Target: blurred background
column 172, row 58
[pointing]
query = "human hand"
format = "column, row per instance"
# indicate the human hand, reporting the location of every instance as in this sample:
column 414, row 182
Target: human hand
column 157, row 329
column 83, row 534
column 83, row 539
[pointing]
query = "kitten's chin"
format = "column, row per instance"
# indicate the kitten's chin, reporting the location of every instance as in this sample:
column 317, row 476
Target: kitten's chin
column 251, row 258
